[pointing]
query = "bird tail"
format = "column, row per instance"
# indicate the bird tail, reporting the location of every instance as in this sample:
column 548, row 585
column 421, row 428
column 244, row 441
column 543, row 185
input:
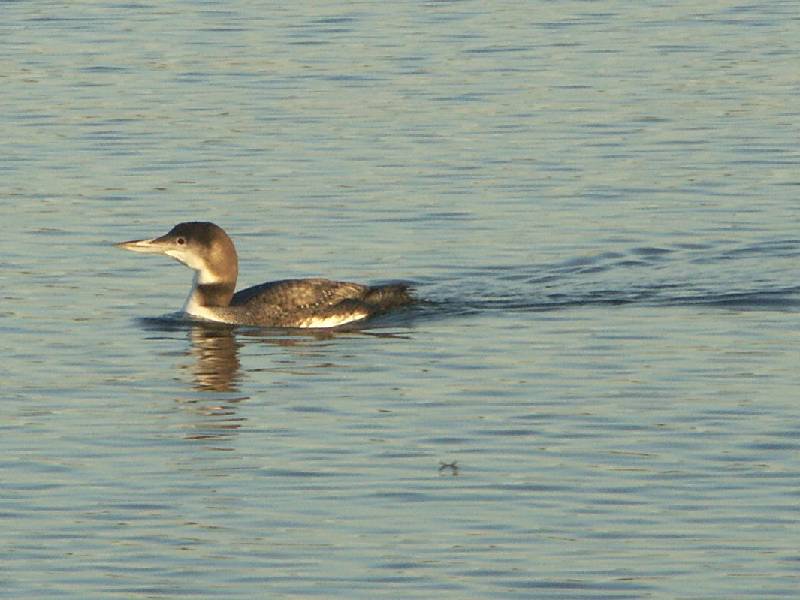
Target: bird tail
column 389, row 296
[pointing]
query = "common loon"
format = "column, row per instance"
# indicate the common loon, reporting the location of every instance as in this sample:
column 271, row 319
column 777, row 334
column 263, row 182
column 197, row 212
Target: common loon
column 206, row 248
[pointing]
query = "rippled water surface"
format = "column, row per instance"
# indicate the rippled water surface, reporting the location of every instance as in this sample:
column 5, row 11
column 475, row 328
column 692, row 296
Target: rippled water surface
column 596, row 396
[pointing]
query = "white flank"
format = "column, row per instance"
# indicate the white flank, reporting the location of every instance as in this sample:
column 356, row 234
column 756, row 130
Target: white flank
column 332, row 321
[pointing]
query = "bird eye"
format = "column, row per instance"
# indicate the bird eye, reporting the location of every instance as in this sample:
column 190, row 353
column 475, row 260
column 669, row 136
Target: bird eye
column 181, row 241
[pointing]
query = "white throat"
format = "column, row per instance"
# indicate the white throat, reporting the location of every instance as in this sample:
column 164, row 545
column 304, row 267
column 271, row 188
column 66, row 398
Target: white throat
column 202, row 274
column 204, row 277
column 193, row 307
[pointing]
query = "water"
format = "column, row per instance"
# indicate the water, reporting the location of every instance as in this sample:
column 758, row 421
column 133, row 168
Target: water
column 597, row 397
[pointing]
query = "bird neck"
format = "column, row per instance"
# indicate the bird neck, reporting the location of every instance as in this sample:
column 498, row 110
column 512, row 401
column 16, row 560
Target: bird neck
column 211, row 291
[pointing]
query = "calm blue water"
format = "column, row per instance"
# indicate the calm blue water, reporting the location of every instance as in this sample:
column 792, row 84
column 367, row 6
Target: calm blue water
column 596, row 397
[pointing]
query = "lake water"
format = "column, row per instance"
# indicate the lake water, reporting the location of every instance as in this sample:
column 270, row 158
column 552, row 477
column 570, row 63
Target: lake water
column 597, row 396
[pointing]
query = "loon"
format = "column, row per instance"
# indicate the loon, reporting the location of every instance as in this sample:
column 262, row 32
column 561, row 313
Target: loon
column 318, row 303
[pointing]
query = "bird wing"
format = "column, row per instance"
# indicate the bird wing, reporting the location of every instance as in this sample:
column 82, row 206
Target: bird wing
column 299, row 294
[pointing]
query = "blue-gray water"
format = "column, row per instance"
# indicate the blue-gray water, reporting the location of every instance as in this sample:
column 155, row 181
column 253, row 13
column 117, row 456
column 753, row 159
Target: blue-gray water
column 597, row 397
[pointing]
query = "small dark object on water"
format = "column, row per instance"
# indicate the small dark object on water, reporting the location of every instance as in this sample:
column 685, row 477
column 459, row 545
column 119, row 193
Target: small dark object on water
column 453, row 466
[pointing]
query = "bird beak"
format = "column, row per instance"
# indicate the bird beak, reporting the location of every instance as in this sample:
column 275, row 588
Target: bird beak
column 154, row 246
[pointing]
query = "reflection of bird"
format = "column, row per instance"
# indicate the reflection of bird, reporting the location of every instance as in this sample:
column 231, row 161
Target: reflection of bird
column 208, row 250
column 216, row 353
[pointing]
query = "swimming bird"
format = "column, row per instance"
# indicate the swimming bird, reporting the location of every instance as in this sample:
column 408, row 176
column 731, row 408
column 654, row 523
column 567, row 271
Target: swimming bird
column 207, row 249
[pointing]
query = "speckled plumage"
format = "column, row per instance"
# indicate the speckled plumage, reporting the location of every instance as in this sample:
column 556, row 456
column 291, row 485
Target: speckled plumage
column 207, row 249
column 297, row 302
